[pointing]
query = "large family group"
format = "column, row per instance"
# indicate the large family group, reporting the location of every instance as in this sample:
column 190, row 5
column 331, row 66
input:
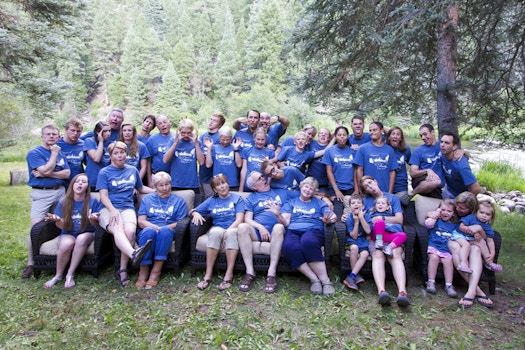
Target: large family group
column 258, row 189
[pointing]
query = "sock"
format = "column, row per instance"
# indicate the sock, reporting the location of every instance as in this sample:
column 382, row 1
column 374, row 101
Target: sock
column 431, row 281
column 448, row 285
column 352, row 274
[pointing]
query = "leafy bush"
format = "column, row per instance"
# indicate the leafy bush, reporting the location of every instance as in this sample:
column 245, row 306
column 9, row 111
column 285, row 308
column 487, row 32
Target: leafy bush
column 500, row 176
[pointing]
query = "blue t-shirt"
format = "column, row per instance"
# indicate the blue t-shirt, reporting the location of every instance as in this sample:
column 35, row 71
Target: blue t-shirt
column 402, row 158
column 342, row 162
column 120, row 183
column 92, row 167
column 377, row 162
column 294, row 158
column 74, row 155
column 428, row 157
column 163, row 211
column 305, row 215
column 290, row 181
column 247, row 138
column 39, row 156
column 94, row 207
column 143, row 153
column 254, row 158
column 256, row 203
column 440, row 235
column 389, row 227
column 224, row 163
column 458, row 176
column 113, row 137
column 316, row 168
column 223, row 211
column 205, row 173
column 157, row 146
column 275, row 132
column 143, row 139
column 353, row 141
column 361, row 235
column 471, row 219
column 183, row 166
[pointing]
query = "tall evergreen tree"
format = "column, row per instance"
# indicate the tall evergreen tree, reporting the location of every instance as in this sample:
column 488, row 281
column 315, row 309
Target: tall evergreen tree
column 264, row 60
column 170, row 96
column 382, row 55
column 228, row 66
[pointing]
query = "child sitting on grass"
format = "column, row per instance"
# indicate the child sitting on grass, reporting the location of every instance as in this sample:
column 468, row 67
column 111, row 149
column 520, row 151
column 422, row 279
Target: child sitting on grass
column 442, row 223
column 477, row 229
column 392, row 234
column 358, row 225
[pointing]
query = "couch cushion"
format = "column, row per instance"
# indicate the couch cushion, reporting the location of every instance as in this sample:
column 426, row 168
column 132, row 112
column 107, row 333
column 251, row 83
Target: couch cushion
column 51, row 247
column 423, row 206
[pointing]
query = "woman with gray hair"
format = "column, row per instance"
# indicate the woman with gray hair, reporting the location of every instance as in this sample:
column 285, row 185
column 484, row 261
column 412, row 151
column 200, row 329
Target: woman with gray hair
column 304, row 218
column 158, row 215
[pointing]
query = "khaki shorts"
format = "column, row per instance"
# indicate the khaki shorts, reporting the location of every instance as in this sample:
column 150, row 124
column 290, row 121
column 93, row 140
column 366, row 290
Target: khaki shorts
column 43, row 200
column 127, row 216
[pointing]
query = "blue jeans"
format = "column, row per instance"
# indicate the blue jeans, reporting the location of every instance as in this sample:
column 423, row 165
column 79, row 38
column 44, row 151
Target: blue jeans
column 160, row 245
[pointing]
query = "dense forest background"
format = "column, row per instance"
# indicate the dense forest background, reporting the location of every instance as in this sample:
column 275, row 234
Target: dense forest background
column 314, row 61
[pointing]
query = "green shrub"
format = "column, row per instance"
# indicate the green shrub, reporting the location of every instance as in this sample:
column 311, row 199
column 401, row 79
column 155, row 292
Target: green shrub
column 500, row 176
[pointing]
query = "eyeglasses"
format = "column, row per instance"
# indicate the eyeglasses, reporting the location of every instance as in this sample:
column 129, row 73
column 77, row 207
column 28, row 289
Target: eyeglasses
column 272, row 172
column 261, row 178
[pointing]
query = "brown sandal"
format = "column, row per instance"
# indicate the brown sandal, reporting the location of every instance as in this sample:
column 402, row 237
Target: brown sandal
column 246, row 283
column 271, row 284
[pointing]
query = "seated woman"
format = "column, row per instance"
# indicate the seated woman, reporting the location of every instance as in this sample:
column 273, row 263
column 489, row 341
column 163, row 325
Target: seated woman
column 117, row 183
column 304, row 218
column 158, row 216
column 77, row 215
column 466, row 203
column 227, row 211
column 370, row 188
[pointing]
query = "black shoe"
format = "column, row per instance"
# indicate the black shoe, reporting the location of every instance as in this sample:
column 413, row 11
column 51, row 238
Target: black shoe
column 138, row 254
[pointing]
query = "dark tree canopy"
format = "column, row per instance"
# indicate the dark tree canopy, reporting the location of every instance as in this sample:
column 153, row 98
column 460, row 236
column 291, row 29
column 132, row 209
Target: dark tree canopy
column 367, row 56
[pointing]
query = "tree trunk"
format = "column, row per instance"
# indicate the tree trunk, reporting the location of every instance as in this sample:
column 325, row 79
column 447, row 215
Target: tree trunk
column 446, row 73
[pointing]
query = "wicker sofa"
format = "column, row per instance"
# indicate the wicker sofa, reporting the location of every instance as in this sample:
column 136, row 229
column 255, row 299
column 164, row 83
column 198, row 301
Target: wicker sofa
column 422, row 206
column 261, row 250
column 340, row 229
column 44, row 239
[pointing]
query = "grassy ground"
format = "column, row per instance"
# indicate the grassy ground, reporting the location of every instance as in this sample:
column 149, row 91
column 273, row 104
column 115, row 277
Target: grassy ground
column 175, row 315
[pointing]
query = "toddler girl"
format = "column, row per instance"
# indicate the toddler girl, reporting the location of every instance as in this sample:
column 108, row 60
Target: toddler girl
column 442, row 223
column 477, row 229
column 390, row 233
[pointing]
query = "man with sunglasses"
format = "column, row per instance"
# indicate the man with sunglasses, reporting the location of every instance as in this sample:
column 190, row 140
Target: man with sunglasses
column 285, row 178
column 262, row 223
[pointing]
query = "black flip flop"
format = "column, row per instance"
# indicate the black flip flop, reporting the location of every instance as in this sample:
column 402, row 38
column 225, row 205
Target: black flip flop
column 464, row 306
column 484, row 297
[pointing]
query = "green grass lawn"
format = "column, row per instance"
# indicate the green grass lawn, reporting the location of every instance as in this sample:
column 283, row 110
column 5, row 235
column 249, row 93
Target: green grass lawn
column 175, row 315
